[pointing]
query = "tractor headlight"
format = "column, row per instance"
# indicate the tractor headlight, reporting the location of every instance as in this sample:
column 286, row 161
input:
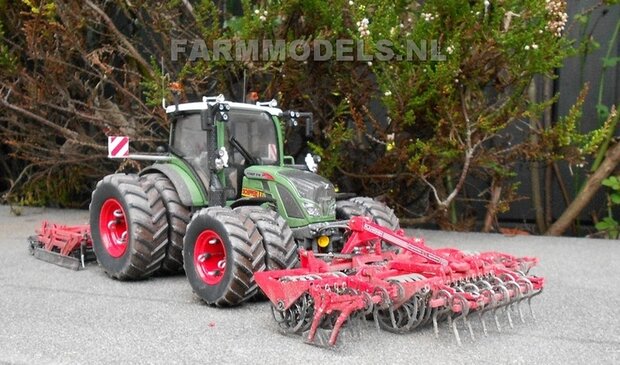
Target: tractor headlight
column 312, row 208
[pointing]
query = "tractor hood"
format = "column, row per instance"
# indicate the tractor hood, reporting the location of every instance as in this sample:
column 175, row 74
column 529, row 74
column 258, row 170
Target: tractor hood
column 314, row 193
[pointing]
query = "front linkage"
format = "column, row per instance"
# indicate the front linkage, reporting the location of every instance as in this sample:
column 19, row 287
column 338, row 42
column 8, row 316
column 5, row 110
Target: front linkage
column 401, row 288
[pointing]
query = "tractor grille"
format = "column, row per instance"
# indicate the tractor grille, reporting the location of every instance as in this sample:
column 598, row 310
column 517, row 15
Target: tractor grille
column 314, row 188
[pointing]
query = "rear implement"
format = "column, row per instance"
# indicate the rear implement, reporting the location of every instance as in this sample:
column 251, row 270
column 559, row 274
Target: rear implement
column 66, row 246
column 403, row 288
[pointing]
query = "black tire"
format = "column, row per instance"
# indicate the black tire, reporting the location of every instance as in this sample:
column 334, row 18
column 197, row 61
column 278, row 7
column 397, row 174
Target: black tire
column 177, row 216
column 244, row 255
column 368, row 207
column 145, row 221
column 278, row 239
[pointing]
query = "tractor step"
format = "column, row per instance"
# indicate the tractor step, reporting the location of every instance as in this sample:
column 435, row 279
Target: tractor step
column 66, row 246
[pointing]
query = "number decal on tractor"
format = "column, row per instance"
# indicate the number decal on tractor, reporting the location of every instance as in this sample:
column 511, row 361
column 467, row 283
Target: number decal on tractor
column 252, row 193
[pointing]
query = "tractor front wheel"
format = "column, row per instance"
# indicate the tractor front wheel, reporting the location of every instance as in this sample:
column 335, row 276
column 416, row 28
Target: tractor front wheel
column 222, row 250
column 278, row 237
column 128, row 225
column 368, row 207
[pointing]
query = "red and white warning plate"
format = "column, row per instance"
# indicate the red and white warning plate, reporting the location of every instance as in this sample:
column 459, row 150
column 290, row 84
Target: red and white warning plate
column 118, row 147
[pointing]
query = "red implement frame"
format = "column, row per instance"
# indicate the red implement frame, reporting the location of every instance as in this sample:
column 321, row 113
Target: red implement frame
column 403, row 289
column 67, row 246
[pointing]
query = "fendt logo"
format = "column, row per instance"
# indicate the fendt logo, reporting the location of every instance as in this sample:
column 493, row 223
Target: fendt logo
column 118, row 147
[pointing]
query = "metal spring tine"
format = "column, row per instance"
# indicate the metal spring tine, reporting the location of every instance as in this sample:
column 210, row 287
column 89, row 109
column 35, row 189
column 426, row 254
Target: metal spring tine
column 483, row 323
column 484, row 308
column 392, row 318
column 436, row 311
column 506, row 303
column 455, row 330
column 474, row 290
column 528, row 293
column 495, row 308
column 464, row 312
column 375, row 316
column 529, row 302
column 435, row 326
column 517, row 302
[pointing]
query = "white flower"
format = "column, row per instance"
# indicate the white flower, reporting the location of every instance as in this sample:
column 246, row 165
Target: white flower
column 401, row 25
column 527, row 48
column 362, row 27
column 262, row 18
column 427, row 16
column 369, row 63
column 256, row 11
column 351, row 3
column 534, row 46
column 265, row 13
column 387, row 93
column 450, row 49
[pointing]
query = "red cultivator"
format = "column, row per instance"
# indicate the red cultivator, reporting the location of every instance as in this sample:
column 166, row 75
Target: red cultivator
column 401, row 289
column 67, row 246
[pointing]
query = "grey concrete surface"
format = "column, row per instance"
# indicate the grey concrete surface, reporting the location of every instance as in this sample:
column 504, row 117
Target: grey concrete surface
column 51, row 315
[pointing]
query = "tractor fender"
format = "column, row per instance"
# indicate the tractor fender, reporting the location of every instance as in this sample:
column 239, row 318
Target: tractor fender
column 190, row 193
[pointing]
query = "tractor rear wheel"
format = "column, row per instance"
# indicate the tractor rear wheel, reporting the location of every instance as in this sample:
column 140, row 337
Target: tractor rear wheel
column 278, row 239
column 128, row 224
column 222, row 250
column 177, row 216
column 368, row 207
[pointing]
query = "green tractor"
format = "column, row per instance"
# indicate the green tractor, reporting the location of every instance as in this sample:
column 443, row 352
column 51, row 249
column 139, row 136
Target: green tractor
column 222, row 203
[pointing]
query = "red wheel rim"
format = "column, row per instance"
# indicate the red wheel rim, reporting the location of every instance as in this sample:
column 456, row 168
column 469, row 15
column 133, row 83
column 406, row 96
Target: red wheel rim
column 113, row 227
column 210, row 257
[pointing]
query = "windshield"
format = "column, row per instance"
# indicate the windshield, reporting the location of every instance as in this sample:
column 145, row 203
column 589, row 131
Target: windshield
column 256, row 133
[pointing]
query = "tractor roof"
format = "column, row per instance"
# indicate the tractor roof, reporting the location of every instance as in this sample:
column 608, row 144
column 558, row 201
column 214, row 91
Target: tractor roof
column 198, row 106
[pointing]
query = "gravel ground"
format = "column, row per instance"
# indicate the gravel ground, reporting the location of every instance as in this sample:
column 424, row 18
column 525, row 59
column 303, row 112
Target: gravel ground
column 54, row 315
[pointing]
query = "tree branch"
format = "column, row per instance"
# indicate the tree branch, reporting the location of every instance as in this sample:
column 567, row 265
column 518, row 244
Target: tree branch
column 130, row 48
column 587, row 192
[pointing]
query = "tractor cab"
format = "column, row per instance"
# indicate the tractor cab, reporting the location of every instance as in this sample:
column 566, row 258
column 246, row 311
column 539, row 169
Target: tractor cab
column 249, row 136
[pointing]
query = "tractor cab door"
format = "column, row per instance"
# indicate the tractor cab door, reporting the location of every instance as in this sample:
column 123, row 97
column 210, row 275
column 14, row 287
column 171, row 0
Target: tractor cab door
column 189, row 141
column 248, row 133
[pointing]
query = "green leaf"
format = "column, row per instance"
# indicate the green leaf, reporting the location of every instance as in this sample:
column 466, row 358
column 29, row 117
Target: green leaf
column 582, row 18
column 610, row 61
column 611, row 182
column 615, row 198
column 602, row 110
column 602, row 226
column 607, row 224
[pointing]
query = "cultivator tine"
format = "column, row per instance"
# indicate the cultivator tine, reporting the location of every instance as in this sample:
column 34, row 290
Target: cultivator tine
column 471, row 330
column 455, row 330
column 320, row 337
column 499, row 328
column 435, row 326
column 483, row 323
column 529, row 304
column 356, row 323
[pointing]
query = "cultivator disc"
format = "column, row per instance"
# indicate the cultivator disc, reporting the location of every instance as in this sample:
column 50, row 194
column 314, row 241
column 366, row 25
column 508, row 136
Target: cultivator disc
column 401, row 290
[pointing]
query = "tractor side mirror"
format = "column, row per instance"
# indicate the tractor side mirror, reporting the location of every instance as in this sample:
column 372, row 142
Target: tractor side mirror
column 293, row 116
